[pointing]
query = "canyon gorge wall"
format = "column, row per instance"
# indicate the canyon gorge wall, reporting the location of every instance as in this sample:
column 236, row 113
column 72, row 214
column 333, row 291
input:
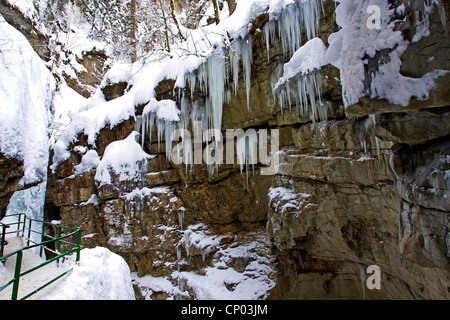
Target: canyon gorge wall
column 367, row 185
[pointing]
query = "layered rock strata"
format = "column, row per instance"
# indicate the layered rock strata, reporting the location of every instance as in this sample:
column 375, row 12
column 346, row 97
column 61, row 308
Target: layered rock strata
column 366, row 186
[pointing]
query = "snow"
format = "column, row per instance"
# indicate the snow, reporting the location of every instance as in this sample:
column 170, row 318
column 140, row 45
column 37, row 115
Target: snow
column 165, row 109
column 285, row 198
column 25, row 6
column 221, row 281
column 124, row 158
column 308, row 58
column 302, row 80
column 352, row 47
column 96, row 113
column 67, row 102
column 240, row 269
column 202, row 60
column 150, row 285
column 92, row 200
column 119, row 72
column 26, row 93
column 100, row 275
column 144, row 192
column 198, row 236
column 88, row 162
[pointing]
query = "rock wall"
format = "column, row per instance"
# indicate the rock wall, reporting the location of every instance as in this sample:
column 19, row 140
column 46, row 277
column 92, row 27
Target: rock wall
column 11, row 171
column 367, row 186
column 37, row 40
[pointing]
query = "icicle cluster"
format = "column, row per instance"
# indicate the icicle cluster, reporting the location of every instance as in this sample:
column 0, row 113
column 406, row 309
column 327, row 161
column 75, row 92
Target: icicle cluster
column 304, row 90
column 303, row 17
column 211, row 79
column 218, row 76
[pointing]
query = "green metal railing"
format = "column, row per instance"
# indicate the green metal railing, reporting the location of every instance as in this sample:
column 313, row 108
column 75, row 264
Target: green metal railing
column 24, row 229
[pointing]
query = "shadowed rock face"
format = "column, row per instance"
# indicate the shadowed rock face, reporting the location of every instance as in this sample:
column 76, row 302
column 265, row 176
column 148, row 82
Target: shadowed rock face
column 14, row 17
column 367, row 186
column 11, row 171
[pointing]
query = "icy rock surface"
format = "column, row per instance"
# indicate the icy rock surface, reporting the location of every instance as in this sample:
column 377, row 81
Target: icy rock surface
column 26, row 93
column 124, row 158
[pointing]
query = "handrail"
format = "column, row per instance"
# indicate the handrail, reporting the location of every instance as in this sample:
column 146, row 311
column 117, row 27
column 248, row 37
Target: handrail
column 19, row 253
column 4, row 227
column 40, row 244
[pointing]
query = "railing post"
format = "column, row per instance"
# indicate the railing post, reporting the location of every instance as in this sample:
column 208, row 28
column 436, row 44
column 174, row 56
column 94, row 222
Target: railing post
column 42, row 238
column 78, row 245
column 15, row 289
column 29, row 232
column 4, row 227
column 3, row 241
column 24, row 221
column 18, row 225
column 58, row 243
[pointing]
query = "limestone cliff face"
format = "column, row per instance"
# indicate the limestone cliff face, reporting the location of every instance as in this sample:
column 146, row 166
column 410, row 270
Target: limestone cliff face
column 367, row 186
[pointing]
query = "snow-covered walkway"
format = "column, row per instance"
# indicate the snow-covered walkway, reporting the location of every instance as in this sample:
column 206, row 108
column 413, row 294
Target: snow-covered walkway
column 30, row 281
column 100, row 275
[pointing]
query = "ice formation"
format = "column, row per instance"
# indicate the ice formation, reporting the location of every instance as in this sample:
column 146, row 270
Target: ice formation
column 217, row 75
column 293, row 20
column 31, row 203
column 355, row 45
column 26, row 93
column 221, row 52
column 302, row 80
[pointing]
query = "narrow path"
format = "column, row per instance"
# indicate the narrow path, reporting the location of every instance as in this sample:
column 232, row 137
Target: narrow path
column 30, row 281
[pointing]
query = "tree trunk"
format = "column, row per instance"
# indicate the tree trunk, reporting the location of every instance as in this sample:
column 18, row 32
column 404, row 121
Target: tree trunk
column 133, row 31
column 216, row 11
column 175, row 20
column 166, row 30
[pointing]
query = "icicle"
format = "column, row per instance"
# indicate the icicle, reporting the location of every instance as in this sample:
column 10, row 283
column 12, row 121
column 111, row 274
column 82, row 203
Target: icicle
column 246, row 150
column 303, row 15
column 216, row 88
column 247, row 61
column 362, row 274
column 178, row 256
column 269, row 33
column 180, row 217
column 235, row 56
column 203, row 254
column 188, row 153
column 191, row 79
column 187, row 243
column 170, row 127
column 304, row 90
column 149, row 123
column 143, row 128
column 377, row 142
